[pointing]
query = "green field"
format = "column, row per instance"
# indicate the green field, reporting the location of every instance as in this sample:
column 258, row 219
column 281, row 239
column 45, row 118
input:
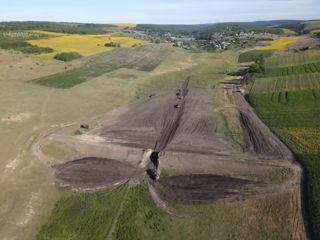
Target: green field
column 288, row 83
column 254, row 55
column 293, row 59
column 293, row 70
column 290, row 106
column 311, row 25
column 82, row 216
column 16, row 40
column 288, row 109
column 89, row 216
column 144, row 58
column 142, row 219
column 298, row 110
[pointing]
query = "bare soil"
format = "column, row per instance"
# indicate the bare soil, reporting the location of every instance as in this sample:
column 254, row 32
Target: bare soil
column 258, row 137
column 177, row 130
column 203, row 188
column 92, row 174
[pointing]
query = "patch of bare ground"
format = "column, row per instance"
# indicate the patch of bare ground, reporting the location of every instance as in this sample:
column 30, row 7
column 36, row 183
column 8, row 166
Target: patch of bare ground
column 258, row 137
column 93, row 174
column 172, row 131
column 204, row 188
column 178, row 131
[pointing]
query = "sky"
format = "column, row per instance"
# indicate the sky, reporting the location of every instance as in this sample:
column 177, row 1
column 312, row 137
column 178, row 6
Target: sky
column 158, row 12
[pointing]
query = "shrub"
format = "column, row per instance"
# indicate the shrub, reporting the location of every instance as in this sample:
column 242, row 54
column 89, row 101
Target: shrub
column 21, row 45
column 77, row 132
column 67, row 56
column 36, row 50
column 112, row 44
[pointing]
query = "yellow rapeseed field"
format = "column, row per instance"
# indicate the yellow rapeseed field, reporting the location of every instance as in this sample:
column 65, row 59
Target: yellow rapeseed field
column 48, row 33
column 315, row 31
column 123, row 25
column 287, row 31
column 86, row 45
column 279, row 43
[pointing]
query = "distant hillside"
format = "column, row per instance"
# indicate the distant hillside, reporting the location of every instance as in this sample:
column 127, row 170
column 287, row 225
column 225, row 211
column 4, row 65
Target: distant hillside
column 64, row 27
column 201, row 31
column 205, row 30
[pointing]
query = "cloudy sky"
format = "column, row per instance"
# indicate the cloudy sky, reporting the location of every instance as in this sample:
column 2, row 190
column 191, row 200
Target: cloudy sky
column 156, row 11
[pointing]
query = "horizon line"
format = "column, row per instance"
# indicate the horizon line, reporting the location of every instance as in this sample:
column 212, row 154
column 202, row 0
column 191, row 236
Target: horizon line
column 80, row 22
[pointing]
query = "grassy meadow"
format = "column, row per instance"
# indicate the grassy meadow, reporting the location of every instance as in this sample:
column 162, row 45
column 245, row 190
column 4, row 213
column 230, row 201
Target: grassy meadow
column 82, row 216
column 75, row 217
column 143, row 59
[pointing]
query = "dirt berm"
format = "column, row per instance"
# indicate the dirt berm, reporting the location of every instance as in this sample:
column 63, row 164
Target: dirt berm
column 259, row 139
column 93, row 174
column 203, row 188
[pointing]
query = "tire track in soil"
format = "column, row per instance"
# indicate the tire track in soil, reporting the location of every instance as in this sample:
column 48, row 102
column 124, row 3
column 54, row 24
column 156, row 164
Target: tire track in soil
column 115, row 219
column 172, row 119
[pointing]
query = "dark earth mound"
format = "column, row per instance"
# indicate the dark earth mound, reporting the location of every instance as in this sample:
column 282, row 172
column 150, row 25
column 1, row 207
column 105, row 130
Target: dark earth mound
column 202, row 188
column 93, row 174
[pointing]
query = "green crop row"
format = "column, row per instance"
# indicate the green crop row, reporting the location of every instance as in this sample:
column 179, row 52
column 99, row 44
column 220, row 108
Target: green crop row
column 293, row 70
column 287, row 83
column 288, row 108
column 255, row 55
column 293, row 59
